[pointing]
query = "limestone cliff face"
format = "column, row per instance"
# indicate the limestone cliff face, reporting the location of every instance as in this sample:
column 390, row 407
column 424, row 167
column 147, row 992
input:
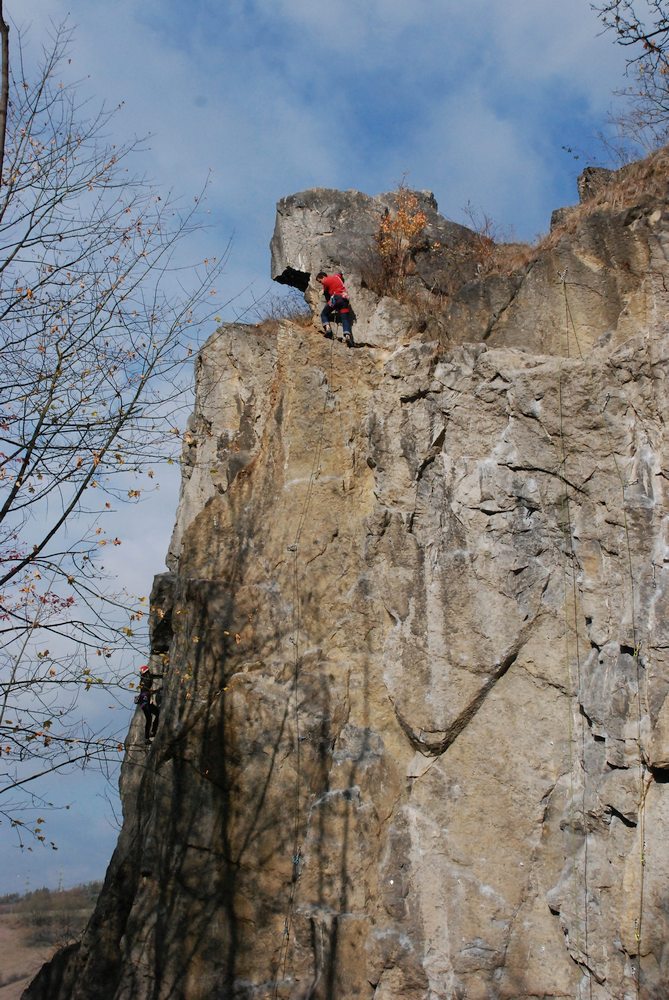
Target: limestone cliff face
column 415, row 737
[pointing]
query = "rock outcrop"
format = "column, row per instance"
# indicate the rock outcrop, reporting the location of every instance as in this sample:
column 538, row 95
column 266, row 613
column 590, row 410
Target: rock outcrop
column 415, row 734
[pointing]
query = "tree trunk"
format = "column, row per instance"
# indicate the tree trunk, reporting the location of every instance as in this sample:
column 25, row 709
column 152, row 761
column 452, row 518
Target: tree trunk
column 4, row 85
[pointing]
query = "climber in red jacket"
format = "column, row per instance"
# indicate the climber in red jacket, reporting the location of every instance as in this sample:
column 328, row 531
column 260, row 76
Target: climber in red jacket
column 336, row 301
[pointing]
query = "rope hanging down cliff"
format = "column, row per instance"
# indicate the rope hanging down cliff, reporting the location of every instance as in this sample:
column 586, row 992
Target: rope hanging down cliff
column 294, row 548
column 644, row 776
column 569, row 549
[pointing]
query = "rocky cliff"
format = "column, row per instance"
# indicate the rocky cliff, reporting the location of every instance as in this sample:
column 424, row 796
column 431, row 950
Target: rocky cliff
column 415, row 733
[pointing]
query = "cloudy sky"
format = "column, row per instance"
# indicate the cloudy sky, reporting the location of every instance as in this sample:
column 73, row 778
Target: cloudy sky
column 474, row 100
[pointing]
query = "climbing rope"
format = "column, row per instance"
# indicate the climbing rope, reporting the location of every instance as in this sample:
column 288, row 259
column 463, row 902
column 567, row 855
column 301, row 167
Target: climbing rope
column 573, row 626
column 570, row 324
column 294, row 548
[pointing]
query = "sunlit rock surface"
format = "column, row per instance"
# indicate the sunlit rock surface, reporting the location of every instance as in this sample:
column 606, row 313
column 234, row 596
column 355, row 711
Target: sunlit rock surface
column 415, row 734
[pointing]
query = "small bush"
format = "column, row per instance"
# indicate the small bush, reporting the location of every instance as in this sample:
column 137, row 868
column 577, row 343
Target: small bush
column 402, row 241
column 401, row 232
column 626, row 188
column 276, row 307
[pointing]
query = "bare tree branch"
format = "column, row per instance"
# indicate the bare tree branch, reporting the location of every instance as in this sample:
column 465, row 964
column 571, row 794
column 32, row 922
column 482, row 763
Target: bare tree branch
column 642, row 27
column 98, row 314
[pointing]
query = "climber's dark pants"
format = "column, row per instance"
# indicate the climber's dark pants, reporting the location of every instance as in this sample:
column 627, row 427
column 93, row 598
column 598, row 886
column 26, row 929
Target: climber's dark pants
column 340, row 306
column 151, row 714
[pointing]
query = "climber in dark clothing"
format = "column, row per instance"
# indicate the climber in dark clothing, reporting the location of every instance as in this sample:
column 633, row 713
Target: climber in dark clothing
column 336, row 301
column 148, row 700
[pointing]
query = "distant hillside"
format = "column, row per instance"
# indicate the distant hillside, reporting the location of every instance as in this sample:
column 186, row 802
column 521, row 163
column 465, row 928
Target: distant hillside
column 34, row 925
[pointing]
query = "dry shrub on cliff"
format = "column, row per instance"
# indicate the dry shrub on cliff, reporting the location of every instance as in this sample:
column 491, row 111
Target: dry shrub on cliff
column 402, row 239
column 487, row 252
column 276, row 307
column 625, row 188
column 400, row 234
column 509, row 258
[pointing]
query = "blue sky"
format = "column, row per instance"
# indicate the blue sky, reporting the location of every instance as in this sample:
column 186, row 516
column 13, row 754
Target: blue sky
column 472, row 99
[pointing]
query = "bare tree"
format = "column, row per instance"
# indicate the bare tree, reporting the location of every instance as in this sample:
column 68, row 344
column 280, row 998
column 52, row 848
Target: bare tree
column 96, row 318
column 642, row 27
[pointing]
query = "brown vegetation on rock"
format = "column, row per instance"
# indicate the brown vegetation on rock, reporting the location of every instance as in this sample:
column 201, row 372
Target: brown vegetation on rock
column 632, row 186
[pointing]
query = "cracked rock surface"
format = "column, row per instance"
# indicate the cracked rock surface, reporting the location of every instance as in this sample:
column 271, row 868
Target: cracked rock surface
column 415, row 736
